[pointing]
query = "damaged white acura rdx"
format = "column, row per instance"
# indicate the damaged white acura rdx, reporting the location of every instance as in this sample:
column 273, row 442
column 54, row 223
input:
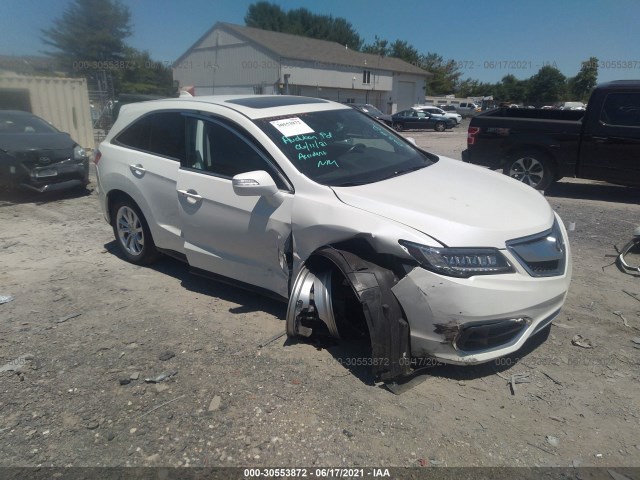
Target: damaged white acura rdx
column 354, row 226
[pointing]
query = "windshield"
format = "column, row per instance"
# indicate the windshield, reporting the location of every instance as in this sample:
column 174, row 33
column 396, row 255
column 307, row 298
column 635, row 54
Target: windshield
column 343, row 147
column 372, row 110
column 17, row 123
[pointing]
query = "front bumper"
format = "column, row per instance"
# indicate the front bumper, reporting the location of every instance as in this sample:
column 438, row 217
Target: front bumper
column 478, row 319
column 57, row 176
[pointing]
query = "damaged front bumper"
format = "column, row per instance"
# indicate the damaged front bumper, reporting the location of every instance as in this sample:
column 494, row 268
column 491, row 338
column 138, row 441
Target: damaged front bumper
column 61, row 175
column 478, row 319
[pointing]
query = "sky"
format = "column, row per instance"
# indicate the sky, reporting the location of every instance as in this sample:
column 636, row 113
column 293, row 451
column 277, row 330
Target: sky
column 488, row 39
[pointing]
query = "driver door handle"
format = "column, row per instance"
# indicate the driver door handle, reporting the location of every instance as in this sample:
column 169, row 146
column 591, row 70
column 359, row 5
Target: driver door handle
column 190, row 195
column 137, row 169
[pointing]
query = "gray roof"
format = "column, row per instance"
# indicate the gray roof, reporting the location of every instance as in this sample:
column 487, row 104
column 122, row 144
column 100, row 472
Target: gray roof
column 296, row 47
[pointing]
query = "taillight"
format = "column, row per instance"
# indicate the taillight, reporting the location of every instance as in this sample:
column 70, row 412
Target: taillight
column 471, row 135
column 97, row 157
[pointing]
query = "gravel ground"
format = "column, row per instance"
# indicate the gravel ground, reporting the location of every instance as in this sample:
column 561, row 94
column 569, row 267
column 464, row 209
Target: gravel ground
column 86, row 329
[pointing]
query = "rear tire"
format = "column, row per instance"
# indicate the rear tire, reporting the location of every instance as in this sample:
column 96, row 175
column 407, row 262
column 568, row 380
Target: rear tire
column 132, row 233
column 533, row 168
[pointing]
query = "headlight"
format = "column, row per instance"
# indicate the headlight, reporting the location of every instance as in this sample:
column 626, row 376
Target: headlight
column 459, row 262
column 79, row 153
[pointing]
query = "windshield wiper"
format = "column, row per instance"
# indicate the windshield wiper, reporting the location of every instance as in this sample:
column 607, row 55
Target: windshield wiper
column 352, row 184
column 397, row 173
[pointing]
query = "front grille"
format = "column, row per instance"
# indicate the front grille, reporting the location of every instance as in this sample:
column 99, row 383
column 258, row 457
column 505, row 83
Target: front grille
column 489, row 335
column 543, row 254
column 42, row 158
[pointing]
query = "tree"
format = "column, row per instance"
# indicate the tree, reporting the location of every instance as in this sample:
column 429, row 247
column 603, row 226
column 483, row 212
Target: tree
column 145, row 75
column 401, row 49
column 89, row 41
column 584, row 82
column 547, row 86
column 378, row 47
column 343, row 32
column 89, row 35
column 446, row 74
column 269, row 16
column 512, row 90
column 474, row 88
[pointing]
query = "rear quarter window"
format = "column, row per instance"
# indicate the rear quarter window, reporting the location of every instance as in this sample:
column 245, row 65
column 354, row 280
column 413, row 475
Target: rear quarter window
column 161, row 133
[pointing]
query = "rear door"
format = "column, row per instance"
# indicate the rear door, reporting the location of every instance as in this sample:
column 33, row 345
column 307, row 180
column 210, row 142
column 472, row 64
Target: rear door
column 610, row 147
column 244, row 238
column 151, row 150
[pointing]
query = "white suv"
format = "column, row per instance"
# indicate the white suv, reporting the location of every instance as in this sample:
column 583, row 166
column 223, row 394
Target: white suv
column 354, row 226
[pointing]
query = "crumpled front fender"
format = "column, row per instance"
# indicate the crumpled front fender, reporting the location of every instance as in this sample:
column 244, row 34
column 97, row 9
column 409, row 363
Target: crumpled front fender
column 388, row 329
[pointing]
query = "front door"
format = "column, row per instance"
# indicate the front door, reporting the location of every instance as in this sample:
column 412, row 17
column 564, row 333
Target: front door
column 244, row 238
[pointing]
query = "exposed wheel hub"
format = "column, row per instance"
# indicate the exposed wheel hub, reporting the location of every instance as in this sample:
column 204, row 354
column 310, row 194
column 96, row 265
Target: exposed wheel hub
column 311, row 300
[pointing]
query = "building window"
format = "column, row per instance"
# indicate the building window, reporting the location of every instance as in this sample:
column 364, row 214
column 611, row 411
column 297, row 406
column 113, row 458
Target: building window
column 366, row 77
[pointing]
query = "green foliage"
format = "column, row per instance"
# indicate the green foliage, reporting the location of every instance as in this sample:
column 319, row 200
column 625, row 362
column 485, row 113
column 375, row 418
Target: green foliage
column 88, row 33
column 547, row 86
column 474, row 88
column 512, row 90
column 378, row 47
column 584, row 82
column 401, row 49
column 446, row 74
column 89, row 41
column 145, row 75
column 269, row 16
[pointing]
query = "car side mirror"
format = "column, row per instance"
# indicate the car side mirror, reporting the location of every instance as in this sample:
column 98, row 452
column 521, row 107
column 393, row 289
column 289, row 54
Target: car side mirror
column 254, row 184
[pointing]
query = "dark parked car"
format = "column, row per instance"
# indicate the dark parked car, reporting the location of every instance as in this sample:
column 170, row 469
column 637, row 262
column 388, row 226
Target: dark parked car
column 37, row 156
column 372, row 112
column 419, row 120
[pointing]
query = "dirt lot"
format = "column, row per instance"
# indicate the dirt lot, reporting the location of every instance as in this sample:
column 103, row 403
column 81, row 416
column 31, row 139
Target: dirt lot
column 88, row 321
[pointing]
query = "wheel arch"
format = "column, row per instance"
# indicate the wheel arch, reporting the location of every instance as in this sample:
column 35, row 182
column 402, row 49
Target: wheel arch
column 371, row 277
column 113, row 197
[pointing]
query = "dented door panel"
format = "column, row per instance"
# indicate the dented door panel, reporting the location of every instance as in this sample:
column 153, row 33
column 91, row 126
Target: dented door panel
column 244, row 238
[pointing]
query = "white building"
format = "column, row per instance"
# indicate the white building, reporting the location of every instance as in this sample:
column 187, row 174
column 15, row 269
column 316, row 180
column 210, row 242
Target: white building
column 232, row 59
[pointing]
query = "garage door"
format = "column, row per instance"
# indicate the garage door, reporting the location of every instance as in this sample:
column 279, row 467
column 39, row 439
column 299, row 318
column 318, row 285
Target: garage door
column 406, row 95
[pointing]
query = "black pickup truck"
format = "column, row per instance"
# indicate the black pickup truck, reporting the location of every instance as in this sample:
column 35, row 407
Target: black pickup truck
column 539, row 147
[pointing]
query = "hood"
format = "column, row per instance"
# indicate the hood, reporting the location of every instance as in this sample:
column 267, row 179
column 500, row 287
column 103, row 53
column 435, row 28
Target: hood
column 23, row 142
column 455, row 203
